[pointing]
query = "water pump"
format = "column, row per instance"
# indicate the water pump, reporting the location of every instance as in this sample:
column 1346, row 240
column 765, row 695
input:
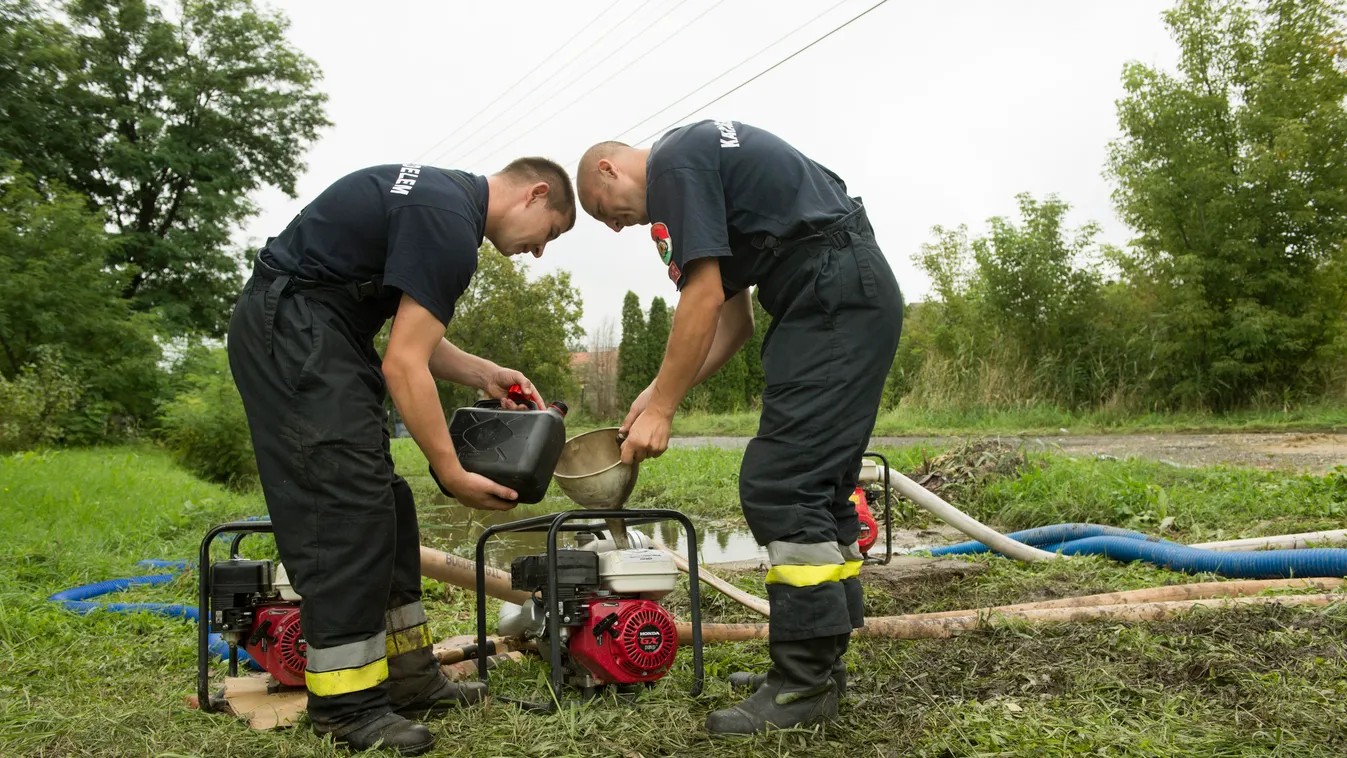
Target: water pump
column 612, row 629
column 253, row 606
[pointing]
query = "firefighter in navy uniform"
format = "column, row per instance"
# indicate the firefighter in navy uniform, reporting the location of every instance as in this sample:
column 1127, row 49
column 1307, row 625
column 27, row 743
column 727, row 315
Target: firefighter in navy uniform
column 731, row 206
column 391, row 241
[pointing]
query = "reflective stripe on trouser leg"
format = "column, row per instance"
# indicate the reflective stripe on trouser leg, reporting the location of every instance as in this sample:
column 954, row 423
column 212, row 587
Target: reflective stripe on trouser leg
column 407, row 629
column 851, row 585
column 849, row 531
column 326, row 484
column 346, row 668
column 806, row 591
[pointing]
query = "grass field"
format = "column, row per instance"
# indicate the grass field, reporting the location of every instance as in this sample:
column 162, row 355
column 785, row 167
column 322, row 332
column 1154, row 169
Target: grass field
column 1253, row 682
column 900, row 422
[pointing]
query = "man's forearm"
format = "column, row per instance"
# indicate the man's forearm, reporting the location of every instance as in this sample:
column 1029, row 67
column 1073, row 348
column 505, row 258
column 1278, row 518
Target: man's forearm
column 694, row 330
column 413, row 391
column 451, row 364
column 732, row 331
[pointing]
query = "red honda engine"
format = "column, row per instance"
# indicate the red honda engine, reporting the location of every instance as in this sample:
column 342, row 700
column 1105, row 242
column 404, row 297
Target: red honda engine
column 253, row 607
column 869, row 527
column 625, row 641
column 278, row 645
column 614, row 631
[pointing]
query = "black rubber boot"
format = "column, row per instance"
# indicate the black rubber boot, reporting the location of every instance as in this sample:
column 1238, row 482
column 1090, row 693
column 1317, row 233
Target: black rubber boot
column 417, row 687
column 798, row 691
column 387, row 731
column 747, row 680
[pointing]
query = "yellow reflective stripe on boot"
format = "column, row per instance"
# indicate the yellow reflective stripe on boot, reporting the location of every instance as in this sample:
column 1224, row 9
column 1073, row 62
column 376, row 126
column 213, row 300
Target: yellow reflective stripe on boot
column 343, row 681
column 407, row 640
column 346, row 668
column 801, row 565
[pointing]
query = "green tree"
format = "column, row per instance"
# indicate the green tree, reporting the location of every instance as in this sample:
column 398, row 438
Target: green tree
column 1233, row 172
column 47, row 118
column 166, row 121
column 55, row 292
column 630, row 360
column 654, row 340
column 1018, row 316
column 1037, row 283
column 519, row 324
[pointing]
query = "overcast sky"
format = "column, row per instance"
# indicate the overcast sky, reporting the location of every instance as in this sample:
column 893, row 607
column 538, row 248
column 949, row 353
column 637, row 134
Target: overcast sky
column 934, row 113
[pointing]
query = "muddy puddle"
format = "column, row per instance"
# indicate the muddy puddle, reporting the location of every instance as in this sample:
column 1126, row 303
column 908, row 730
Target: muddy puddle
column 455, row 529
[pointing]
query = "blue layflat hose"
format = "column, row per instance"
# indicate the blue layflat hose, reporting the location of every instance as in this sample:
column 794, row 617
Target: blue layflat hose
column 1050, row 535
column 77, row 599
column 1251, row 564
column 1126, row 545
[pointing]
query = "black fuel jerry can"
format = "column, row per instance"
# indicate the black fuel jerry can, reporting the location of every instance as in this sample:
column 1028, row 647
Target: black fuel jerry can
column 518, row 449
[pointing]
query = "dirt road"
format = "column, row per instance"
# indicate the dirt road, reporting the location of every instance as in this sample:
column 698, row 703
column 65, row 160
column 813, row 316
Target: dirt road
column 1316, row 453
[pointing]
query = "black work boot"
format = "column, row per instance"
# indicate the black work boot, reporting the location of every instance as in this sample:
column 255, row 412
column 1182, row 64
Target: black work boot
column 418, row 688
column 387, row 731
column 747, row 680
column 798, row 691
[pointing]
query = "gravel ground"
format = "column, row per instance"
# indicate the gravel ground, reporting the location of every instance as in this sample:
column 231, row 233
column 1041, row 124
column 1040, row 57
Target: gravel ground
column 1315, row 453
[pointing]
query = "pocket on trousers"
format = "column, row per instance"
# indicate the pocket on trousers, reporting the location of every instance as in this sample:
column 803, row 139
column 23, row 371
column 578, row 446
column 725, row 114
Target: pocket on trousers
column 869, row 286
column 295, row 341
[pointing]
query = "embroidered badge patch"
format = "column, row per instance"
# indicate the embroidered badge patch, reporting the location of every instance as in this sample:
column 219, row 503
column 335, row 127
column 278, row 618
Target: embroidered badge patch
column 663, row 242
column 674, row 273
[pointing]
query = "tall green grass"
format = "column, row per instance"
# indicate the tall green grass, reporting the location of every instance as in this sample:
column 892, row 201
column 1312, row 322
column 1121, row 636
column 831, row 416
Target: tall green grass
column 1237, row 684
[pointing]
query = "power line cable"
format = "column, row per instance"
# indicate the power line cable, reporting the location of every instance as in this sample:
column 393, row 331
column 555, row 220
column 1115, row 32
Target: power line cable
column 574, row 163
column 591, row 90
column 727, row 71
column 538, row 86
column 758, row 75
column 520, row 80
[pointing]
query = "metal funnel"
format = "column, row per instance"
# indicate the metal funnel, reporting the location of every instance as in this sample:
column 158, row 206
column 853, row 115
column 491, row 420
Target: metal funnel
column 591, row 473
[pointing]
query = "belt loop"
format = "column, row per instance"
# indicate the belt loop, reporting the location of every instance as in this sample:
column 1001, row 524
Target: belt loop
column 274, row 293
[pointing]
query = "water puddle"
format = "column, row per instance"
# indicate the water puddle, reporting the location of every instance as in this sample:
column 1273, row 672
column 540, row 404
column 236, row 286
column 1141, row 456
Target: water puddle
column 453, row 528
column 456, row 530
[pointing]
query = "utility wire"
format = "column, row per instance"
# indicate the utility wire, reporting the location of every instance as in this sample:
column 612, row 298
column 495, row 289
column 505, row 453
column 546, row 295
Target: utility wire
column 756, row 76
column 727, row 71
column 664, row 40
column 538, row 86
column 519, row 81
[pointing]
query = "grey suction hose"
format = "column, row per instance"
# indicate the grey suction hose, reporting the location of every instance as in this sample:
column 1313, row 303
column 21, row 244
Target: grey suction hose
column 872, row 472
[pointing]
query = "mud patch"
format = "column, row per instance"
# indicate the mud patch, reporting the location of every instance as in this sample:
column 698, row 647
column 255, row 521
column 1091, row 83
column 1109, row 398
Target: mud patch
column 1277, row 667
column 965, row 470
column 1312, row 452
column 906, row 575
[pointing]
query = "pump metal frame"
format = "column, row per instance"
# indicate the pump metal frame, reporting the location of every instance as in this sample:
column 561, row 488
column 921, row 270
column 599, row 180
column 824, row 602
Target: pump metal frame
column 239, row 529
column 553, row 523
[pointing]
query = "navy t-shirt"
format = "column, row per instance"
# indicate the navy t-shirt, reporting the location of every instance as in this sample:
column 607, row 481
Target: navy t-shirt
column 418, row 227
column 714, row 185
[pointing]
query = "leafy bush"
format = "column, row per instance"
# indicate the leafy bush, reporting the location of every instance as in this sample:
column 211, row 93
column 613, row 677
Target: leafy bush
column 36, row 406
column 204, row 426
column 56, row 293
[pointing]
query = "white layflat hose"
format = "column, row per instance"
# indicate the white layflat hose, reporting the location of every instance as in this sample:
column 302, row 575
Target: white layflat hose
column 872, row 472
column 1293, row 541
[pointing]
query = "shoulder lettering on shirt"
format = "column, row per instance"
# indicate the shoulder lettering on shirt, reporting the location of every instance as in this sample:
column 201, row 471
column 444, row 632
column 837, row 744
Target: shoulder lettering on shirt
column 406, row 179
column 728, row 136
